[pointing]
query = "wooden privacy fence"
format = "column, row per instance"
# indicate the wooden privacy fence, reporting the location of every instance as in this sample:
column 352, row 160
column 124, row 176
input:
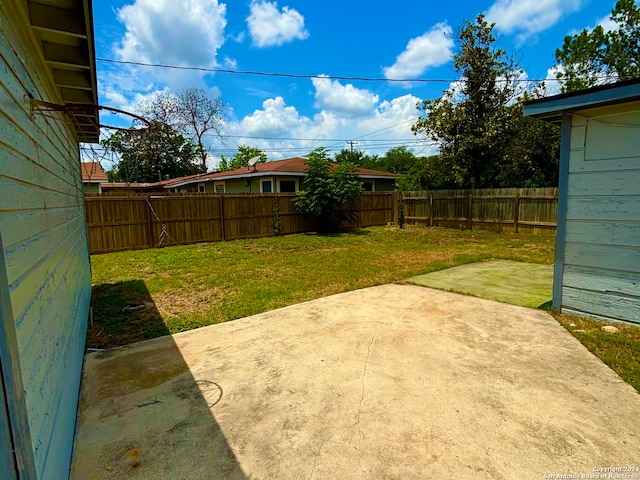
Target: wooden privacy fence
column 143, row 221
column 526, row 210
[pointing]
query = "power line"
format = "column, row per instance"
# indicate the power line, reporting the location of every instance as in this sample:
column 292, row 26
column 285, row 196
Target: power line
column 292, row 139
column 295, row 75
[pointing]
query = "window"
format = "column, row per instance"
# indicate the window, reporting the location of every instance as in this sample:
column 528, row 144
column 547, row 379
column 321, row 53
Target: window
column 201, row 188
column 266, row 186
column 287, row 186
column 218, row 187
column 368, row 186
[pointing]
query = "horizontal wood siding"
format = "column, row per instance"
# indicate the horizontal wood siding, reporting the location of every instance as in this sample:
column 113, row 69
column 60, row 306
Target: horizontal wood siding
column 602, row 246
column 42, row 222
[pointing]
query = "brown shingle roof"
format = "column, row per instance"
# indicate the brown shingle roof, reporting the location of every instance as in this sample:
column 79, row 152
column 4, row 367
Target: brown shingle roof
column 92, row 172
column 294, row 165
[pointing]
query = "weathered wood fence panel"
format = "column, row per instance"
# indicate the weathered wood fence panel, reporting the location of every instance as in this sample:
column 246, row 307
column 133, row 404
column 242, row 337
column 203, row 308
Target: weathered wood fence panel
column 527, row 210
column 145, row 221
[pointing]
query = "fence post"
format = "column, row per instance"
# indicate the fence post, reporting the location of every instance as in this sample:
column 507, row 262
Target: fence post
column 397, row 198
column 470, row 210
column 516, row 213
column 431, row 210
column 149, row 220
column 222, row 217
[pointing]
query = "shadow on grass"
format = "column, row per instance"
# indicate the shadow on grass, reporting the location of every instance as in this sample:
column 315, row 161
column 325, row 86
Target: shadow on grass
column 151, row 389
column 114, row 324
column 546, row 306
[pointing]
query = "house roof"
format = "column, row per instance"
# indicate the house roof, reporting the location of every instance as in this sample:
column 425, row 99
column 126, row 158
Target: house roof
column 92, row 172
column 294, row 166
column 63, row 29
column 552, row 108
column 131, row 186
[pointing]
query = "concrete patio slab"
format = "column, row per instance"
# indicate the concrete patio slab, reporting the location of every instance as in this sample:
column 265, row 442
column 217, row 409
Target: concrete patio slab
column 389, row 382
column 516, row 283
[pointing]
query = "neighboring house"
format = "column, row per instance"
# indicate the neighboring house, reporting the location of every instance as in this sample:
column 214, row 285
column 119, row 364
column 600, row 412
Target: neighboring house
column 92, row 176
column 111, row 187
column 48, row 91
column 285, row 175
column 597, row 264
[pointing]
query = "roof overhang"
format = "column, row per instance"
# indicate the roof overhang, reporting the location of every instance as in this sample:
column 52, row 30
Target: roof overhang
column 248, row 175
column 64, row 29
column 378, row 177
column 551, row 109
column 234, row 177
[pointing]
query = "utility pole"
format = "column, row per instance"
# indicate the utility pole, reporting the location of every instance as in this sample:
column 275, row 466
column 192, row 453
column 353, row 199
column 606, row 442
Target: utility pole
column 352, row 144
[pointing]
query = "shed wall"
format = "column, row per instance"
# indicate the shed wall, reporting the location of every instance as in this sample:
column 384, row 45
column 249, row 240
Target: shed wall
column 602, row 244
column 42, row 221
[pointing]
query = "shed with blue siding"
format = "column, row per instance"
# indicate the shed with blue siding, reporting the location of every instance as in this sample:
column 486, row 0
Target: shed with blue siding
column 49, row 97
column 597, row 264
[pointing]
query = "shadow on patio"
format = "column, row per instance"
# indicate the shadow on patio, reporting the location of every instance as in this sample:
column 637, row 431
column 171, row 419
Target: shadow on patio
column 142, row 413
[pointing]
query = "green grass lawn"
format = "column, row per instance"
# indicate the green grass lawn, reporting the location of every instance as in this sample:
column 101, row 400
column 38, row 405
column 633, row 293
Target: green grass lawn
column 620, row 351
column 202, row 284
column 197, row 285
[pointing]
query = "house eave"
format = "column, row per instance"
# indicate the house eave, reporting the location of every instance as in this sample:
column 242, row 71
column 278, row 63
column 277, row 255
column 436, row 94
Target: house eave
column 551, row 109
column 234, row 177
column 64, row 32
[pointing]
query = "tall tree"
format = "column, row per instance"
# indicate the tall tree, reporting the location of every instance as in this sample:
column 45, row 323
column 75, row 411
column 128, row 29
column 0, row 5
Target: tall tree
column 596, row 56
column 150, row 154
column 478, row 119
column 200, row 115
column 241, row 158
column 191, row 112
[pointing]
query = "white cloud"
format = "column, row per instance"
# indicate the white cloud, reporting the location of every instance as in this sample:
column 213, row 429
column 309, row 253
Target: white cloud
column 553, row 86
column 275, row 119
column 189, row 32
column 432, row 49
column 608, row 24
column 528, row 17
column 344, row 99
column 268, row 26
column 389, row 120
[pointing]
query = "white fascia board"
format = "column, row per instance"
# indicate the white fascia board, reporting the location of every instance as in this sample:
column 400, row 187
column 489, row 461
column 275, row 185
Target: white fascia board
column 236, row 176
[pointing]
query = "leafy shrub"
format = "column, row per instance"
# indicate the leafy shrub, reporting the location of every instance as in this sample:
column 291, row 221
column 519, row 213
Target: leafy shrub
column 329, row 192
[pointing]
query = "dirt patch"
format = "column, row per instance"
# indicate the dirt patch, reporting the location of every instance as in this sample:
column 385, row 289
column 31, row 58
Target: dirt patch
column 173, row 303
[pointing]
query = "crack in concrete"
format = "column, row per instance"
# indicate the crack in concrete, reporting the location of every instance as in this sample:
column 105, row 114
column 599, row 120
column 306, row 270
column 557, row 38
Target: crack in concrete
column 364, row 373
column 315, row 461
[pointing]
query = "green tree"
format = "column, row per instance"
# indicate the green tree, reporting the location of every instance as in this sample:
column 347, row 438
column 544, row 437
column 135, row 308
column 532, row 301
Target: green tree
column 328, row 193
column 241, row 158
column 478, row 121
column 398, row 160
column 151, row 154
column 356, row 157
column 597, row 56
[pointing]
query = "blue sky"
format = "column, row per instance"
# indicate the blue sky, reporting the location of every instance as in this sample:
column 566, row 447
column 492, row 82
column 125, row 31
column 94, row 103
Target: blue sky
column 291, row 116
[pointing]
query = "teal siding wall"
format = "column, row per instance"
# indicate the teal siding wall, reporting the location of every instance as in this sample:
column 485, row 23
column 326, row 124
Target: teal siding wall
column 602, row 242
column 42, row 222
